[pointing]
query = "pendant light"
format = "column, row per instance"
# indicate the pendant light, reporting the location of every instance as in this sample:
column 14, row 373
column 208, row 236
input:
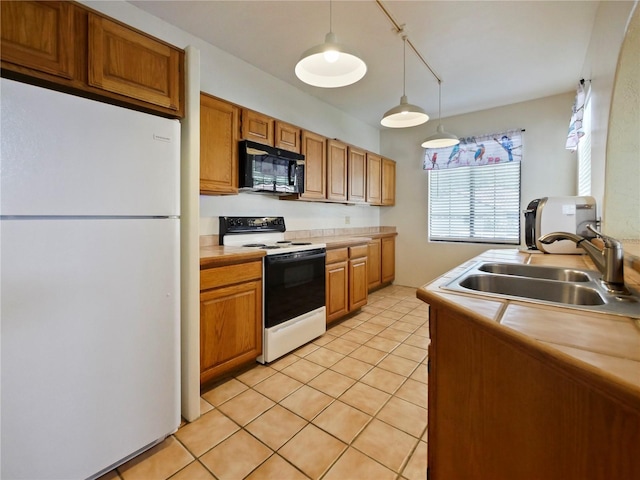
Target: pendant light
column 330, row 64
column 440, row 139
column 405, row 114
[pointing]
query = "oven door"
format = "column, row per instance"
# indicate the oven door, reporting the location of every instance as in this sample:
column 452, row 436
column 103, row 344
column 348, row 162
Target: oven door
column 294, row 285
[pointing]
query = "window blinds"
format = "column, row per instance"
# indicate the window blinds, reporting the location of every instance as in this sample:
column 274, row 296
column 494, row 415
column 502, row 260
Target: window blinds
column 479, row 204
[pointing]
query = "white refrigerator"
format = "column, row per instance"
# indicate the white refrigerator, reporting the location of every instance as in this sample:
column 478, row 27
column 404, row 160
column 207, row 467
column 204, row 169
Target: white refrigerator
column 90, row 287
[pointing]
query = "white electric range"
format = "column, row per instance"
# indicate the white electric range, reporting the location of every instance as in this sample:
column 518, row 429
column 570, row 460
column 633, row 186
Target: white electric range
column 294, row 311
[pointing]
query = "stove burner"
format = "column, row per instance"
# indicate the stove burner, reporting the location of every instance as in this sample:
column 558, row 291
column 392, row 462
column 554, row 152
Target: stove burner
column 269, row 247
column 301, row 243
column 254, row 245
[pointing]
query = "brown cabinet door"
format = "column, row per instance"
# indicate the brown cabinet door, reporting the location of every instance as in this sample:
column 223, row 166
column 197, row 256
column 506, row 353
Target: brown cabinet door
column 374, row 257
column 356, row 175
column 388, row 248
column 337, row 290
column 257, row 127
column 219, row 125
column 129, row 63
column 374, row 179
column 287, row 137
column 358, row 283
column 230, row 328
column 336, row 171
column 388, row 182
column 39, row 36
column 314, row 149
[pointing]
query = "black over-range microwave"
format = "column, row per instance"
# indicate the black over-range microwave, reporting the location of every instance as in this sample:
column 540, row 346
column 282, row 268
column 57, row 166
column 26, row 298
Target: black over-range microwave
column 270, row 170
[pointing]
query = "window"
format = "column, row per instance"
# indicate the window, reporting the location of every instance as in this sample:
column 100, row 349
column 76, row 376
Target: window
column 476, row 204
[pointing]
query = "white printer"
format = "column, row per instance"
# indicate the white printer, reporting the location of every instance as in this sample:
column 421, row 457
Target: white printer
column 559, row 214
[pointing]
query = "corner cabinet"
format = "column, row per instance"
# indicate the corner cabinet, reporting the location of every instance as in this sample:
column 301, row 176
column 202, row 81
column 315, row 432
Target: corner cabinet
column 387, row 259
column 230, row 318
column 381, row 255
column 219, row 130
column 73, row 48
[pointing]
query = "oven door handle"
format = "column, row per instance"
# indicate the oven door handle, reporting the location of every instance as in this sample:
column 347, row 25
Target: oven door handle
column 293, row 257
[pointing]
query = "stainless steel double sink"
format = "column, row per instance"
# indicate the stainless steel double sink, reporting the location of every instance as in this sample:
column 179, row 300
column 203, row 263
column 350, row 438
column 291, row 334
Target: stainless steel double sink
column 563, row 287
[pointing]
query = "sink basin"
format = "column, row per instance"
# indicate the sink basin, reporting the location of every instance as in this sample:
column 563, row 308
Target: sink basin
column 534, row 271
column 558, row 292
column 562, row 287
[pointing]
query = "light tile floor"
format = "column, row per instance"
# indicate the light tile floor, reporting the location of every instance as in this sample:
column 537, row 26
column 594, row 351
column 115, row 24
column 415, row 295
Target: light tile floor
column 352, row 404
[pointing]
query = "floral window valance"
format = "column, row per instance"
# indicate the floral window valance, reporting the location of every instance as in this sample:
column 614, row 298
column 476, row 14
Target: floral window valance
column 475, row 151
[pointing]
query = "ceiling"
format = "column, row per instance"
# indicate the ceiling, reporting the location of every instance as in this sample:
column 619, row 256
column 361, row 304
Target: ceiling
column 487, row 53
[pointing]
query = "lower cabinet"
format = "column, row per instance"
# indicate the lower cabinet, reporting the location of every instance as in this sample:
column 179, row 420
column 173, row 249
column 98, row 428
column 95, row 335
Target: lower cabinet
column 230, row 318
column 503, row 406
column 388, row 259
column 358, row 277
column 346, row 281
column 381, row 255
column 337, row 283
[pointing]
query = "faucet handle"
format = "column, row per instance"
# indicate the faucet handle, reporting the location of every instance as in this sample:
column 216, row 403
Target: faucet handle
column 609, row 242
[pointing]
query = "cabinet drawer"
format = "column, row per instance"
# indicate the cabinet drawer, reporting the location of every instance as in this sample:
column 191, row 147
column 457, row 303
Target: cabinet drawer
column 359, row 251
column 337, row 255
column 230, row 274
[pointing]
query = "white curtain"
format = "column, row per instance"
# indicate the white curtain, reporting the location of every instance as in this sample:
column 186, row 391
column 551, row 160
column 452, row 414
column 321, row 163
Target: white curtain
column 576, row 131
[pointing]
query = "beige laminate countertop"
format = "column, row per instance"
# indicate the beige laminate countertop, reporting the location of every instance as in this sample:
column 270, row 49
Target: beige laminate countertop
column 219, row 255
column 606, row 345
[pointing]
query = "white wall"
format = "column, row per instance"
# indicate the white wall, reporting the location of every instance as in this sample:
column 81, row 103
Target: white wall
column 622, row 195
column 600, row 67
column 547, row 169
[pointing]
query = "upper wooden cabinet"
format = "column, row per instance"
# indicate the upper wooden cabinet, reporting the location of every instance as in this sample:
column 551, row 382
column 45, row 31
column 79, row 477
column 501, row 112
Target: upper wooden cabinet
column 374, row 179
column 336, row 171
column 39, row 36
column 124, row 61
column 314, row 149
column 287, row 137
column 357, row 175
column 388, row 182
column 71, row 47
column 257, row 127
column 219, row 129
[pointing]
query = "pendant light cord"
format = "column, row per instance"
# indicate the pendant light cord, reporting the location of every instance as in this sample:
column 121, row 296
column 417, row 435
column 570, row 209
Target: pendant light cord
column 404, row 64
column 330, row 16
column 439, row 99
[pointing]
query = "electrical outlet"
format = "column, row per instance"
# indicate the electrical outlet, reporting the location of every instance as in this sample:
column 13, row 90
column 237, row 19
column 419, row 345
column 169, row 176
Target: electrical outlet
column 347, row 220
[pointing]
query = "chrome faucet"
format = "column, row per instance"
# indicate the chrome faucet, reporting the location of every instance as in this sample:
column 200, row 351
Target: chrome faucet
column 609, row 260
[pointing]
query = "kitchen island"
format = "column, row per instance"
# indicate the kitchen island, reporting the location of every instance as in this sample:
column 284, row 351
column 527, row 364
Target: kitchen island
column 519, row 390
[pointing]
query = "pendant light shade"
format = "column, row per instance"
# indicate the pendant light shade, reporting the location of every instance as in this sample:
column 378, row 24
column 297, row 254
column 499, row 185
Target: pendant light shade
column 330, row 64
column 440, row 139
column 405, row 114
